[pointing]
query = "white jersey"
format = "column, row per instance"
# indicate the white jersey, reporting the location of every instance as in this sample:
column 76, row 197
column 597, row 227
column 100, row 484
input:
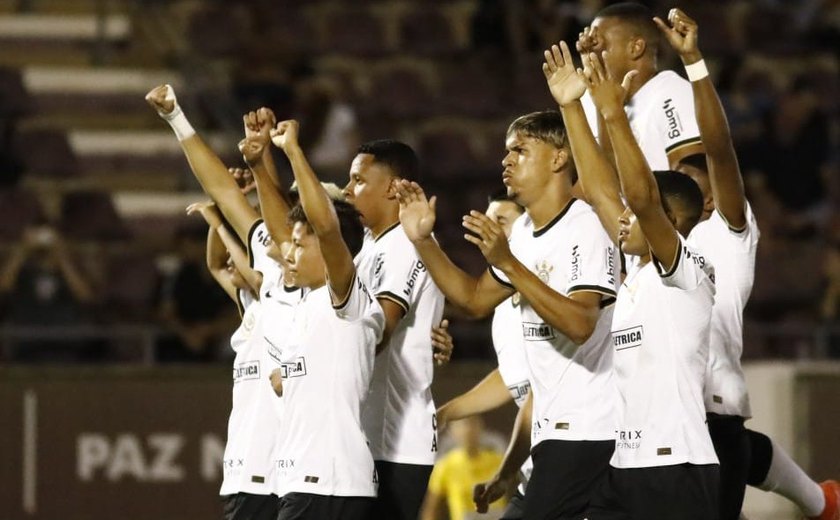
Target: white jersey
column 573, row 385
column 399, row 412
column 661, row 116
column 513, row 365
column 660, row 334
column 732, row 252
column 252, row 424
column 327, row 363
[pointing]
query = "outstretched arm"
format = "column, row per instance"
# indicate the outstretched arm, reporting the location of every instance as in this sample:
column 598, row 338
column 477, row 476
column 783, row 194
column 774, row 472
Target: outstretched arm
column 490, row 393
column 255, row 150
column 637, row 181
column 517, row 453
column 477, row 296
column 319, row 210
column 724, row 172
column 596, row 173
column 220, row 244
column 211, row 173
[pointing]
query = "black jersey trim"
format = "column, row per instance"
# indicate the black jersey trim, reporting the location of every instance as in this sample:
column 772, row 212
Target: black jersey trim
column 543, row 230
column 343, row 303
column 387, row 230
column 290, row 288
column 683, row 143
column 250, row 237
column 394, row 298
column 240, row 305
column 606, row 302
column 673, row 268
column 499, row 279
column 737, row 231
column 591, row 288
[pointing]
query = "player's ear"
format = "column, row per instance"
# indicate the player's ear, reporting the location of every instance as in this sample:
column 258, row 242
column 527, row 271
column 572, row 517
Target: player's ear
column 559, row 160
column 393, row 183
column 637, row 49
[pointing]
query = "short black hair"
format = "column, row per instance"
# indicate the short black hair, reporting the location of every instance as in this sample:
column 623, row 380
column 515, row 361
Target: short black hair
column 638, row 17
column 679, row 188
column 349, row 220
column 396, row 155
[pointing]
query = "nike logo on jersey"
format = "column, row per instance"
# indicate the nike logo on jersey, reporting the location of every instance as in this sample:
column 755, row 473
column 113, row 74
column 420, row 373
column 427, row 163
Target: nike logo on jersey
column 628, row 338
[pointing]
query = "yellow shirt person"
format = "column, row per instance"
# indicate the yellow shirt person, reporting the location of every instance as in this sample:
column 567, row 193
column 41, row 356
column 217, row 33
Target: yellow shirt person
column 455, row 475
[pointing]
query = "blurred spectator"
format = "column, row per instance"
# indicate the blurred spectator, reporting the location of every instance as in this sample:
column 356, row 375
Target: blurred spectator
column 328, row 126
column 456, row 473
column 195, row 313
column 42, row 284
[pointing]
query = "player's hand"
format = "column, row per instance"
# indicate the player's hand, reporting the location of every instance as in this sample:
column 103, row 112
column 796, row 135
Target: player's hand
column 208, row 210
column 682, row 34
column 486, row 493
column 566, row 83
column 490, row 239
column 417, row 214
column 588, row 41
column 259, row 122
column 252, row 149
column 608, row 95
column 285, row 136
column 157, row 99
column 442, row 344
column 276, row 382
column 244, row 179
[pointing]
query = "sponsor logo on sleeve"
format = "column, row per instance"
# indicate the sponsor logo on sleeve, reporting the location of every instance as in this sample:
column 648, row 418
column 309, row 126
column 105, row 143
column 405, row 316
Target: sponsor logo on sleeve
column 575, row 264
column 418, row 268
column 628, row 338
column 610, row 265
column 673, row 118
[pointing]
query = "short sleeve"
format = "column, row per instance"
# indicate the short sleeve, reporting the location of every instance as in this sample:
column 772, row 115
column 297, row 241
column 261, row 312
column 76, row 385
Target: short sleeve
column 258, row 241
column 676, row 117
column 592, row 260
column 689, row 271
column 397, row 270
column 358, row 303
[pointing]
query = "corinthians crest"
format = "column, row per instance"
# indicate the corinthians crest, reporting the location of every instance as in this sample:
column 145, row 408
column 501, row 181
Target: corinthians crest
column 544, row 271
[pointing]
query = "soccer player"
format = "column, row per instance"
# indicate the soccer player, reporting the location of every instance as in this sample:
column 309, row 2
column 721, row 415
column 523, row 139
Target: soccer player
column 326, row 470
column 246, row 487
column 399, row 412
column 659, row 103
column 563, row 265
column 729, row 238
column 664, row 466
column 509, row 381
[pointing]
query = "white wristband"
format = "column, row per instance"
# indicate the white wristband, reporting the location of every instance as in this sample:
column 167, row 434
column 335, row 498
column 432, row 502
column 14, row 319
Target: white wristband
column 696, row 71
column 178, row 121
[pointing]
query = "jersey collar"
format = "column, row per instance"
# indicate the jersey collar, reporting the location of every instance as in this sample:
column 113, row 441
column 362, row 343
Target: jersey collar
column 543, row 230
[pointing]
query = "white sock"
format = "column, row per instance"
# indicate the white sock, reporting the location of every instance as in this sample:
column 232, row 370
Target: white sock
column 176, row 119
column 786, row 478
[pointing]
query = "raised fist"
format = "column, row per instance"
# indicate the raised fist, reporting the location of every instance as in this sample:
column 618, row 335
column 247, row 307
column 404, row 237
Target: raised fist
column 285, row 136
column 162, row 99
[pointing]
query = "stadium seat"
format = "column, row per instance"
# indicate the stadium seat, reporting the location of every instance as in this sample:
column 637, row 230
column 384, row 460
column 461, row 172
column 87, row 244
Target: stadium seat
column 46, row 153
column 19, row 210
column 91, row 215
column 426, row 31
column 354, row 32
